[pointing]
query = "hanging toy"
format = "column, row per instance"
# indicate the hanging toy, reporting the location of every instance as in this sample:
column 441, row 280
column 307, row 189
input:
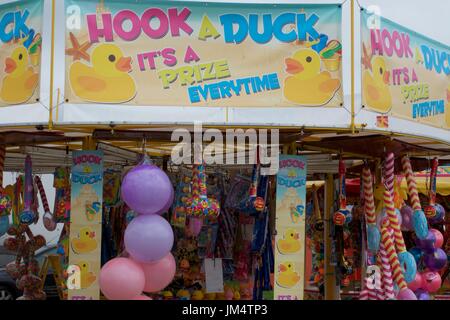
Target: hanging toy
column 5, row 199
column 319, row 223
column 434, row 212
column 254, row 203
column 388, row 283
column 407, row 261
column 28, row 216
column 340, row 218
column 419, row 219
column 202, row 206
column 373, row 234
column 49, row 219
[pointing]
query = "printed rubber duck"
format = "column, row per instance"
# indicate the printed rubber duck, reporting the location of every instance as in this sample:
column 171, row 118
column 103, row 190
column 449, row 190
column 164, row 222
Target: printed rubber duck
column 287, row 277
column 290, row 242
column 86, row 241
column 376, row 93
column 447, row 108
column 107, row 80
column 87, row 277
column 308, row 86
column 197, row 295
column 21, row 81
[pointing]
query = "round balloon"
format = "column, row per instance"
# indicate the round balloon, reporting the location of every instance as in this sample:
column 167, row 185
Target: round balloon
column 146, row 189
column 148, row 238
column 439, row 238
column 428, row 242
column 417, row 253
column 422, row 294
column 416, row 283
column 406, row 294
column 435, row 260
column 121, row 279
column 407, row 218
column 159, row 274
column 431, row 281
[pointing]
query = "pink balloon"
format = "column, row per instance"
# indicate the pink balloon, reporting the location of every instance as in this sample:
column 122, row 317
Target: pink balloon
column 121, row 279
column 431, row 281
column 439, row 238
column 416, row 283
column 159, row 274
column 406, row 294
column 142, row 297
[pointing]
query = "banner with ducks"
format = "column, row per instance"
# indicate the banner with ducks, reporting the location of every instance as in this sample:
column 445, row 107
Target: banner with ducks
column 290, row 228
column 85, row 225
column 404, row 74
column 20, row 52
column 175, row 53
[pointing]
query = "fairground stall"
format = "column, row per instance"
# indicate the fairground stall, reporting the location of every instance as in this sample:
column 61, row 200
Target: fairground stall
column 199, row 150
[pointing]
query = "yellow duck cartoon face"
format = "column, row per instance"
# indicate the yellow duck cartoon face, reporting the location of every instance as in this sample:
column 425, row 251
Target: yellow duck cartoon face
column 86, row 241
column 20, row 81
column 87, row 277
column 287, row 276
column 376, row 91
column 290, row 242
column 108, row 80
column 307, row 85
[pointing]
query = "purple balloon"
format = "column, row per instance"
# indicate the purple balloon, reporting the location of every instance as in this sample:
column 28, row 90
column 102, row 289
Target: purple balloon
column 146, row 189
column 428, row 243
column 436, row 260
column 407, row 218
column 148, row 238
column 422, row 294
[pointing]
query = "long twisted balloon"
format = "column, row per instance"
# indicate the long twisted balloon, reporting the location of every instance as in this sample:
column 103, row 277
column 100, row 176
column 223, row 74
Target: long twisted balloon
column 388, row 284
column 419, row 220
column 389, row 245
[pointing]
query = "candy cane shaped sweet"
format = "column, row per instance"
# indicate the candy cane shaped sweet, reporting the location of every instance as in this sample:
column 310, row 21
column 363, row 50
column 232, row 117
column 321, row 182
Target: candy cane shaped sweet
column 393, row 221
column 389, row 246
column 419, row 220
column 373, row 234
column 41, row 189
column 388, row 284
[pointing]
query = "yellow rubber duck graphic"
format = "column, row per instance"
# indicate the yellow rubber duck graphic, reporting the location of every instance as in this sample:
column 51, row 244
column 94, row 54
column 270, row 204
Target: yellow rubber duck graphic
column 86, row 241
column 87, row 277
column 290, row 242
column 107, row 80
column 287, row 277
column 447, row 108
column 307, row 86
column 376, row 93
column 21, row 81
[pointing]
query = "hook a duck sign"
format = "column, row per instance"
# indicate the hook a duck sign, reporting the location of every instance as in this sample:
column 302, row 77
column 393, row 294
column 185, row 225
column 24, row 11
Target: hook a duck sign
column 179, row 53
column 405, row 74
column 20, row 51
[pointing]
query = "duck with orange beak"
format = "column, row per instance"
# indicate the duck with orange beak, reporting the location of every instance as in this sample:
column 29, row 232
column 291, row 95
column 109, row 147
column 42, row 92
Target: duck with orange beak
column 307, row 85
column 20, row 81
column 376, row 93
column 107, row 80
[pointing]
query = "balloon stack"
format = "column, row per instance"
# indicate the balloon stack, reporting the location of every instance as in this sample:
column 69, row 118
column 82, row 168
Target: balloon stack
column 434, row 212
column 148, row 191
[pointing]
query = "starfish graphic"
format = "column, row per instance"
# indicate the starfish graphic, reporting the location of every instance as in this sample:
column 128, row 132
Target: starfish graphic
column 367, row 58
column 78, row 51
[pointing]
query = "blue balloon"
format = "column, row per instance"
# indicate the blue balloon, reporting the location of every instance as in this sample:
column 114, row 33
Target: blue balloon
column 420, row 224
column 417, row 254
column 408, row 265
column 373, row 238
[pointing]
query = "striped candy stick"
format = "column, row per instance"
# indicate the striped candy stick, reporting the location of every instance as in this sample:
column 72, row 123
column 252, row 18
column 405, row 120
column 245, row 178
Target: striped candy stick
column 389, row 175
column 412, row 185
column 388, row 244
column 369, row 202
column 388, row 284
column 2, row 164
column 419, row 220
column 41, row 189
